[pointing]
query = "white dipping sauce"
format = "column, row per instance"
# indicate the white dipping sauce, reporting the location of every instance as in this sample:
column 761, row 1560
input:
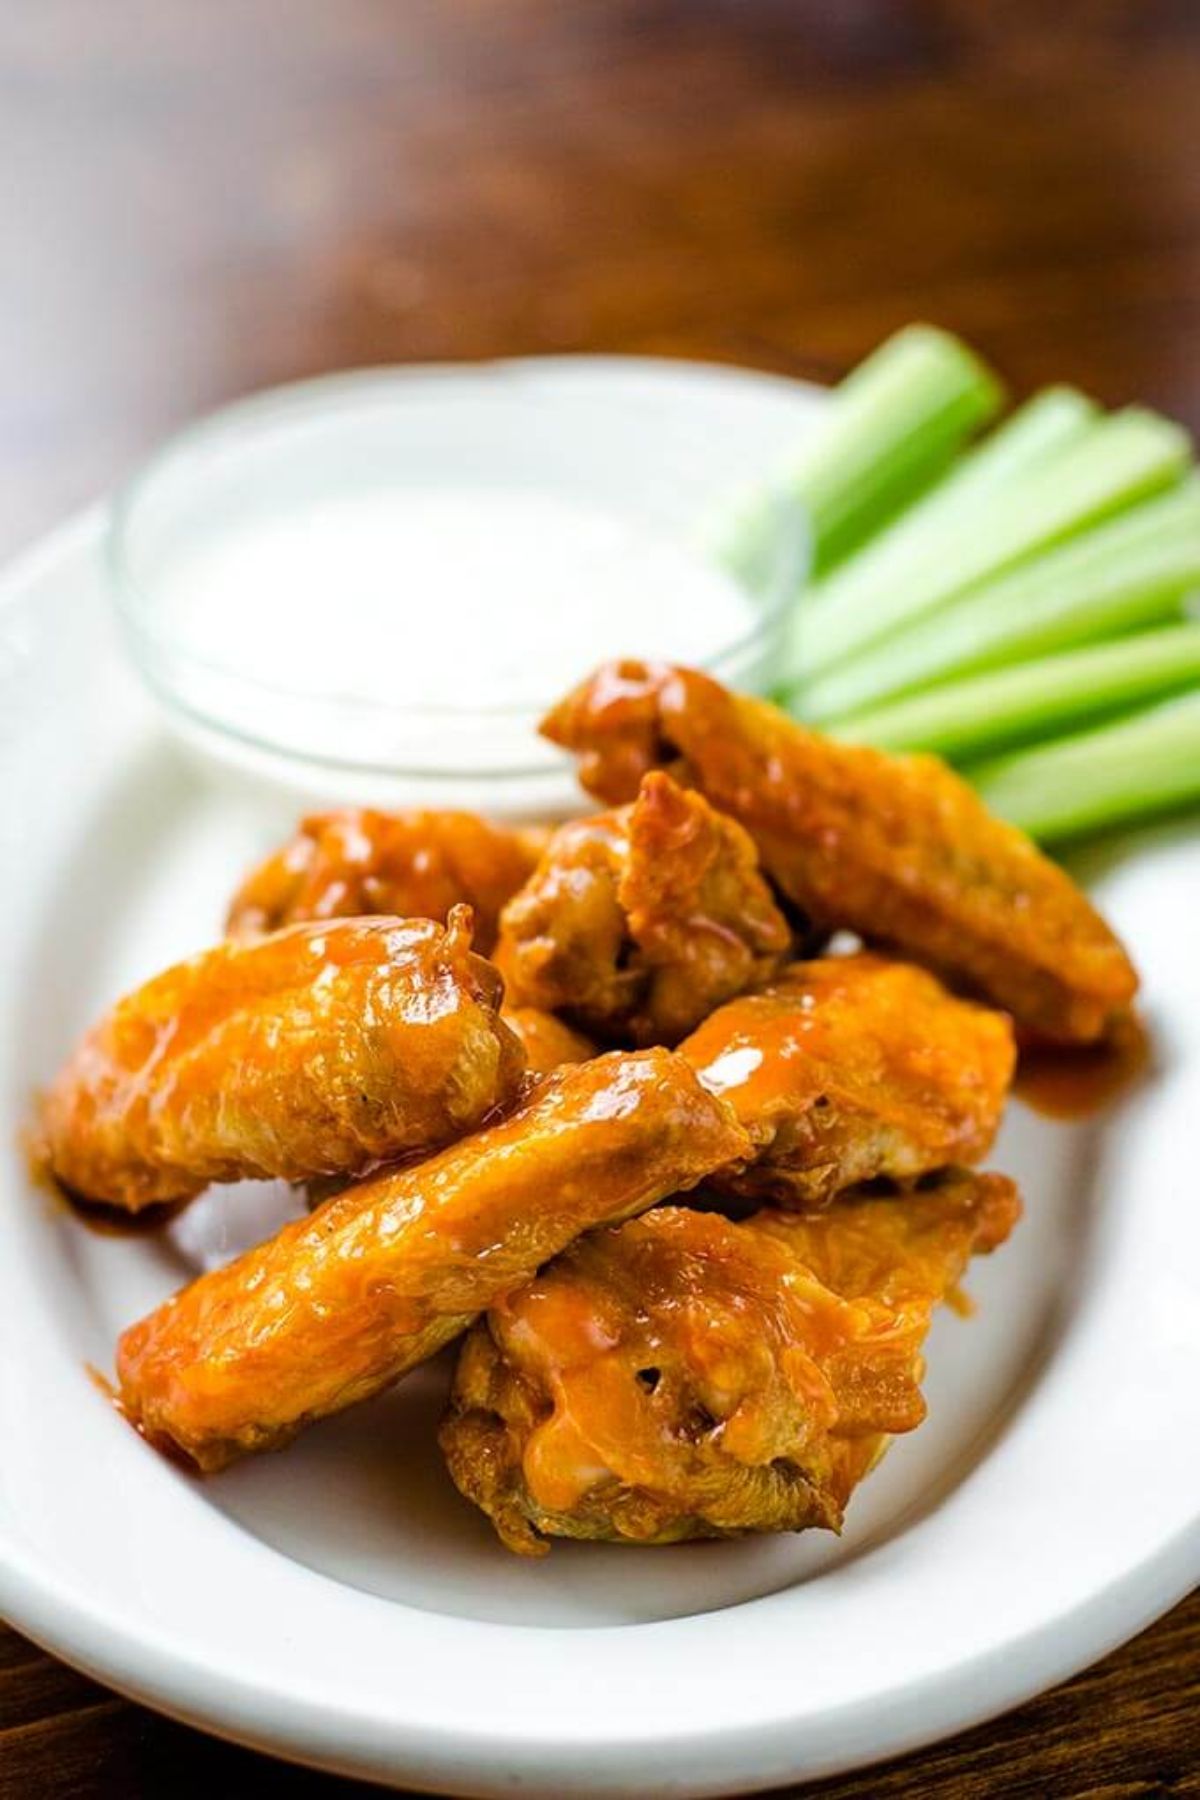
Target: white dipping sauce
column 454, row 596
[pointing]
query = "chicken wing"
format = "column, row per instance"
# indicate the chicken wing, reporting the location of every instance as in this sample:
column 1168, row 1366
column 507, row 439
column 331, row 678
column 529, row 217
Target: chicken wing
column 685, row 1376
column 548, row 1043
column 852, row 1067
column 318, row 1051
column 545, row 1039
column 636, row 923
column 413, row 865
column 340, row 1304
column 898, row 849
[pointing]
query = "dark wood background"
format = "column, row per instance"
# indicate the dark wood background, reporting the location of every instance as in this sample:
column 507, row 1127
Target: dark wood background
column 198, row 197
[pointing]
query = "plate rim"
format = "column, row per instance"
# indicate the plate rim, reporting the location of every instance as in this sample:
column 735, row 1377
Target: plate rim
column 1175, row 1568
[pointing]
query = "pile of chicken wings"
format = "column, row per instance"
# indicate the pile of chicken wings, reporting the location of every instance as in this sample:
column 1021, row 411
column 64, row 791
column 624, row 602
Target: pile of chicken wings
column 620, row 1105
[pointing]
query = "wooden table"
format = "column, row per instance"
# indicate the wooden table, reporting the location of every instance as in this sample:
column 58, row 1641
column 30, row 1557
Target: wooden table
column 200, row 198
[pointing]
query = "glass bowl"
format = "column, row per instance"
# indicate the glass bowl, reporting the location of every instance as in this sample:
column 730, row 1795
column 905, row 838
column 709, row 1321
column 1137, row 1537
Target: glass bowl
column 334, row 654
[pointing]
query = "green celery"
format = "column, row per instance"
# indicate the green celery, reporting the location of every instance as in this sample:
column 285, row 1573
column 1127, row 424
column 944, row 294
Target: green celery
column 827, row 622
column 1145, row 763
column 1126, row 457
column 888, row 429
column 1047, row 697
column 1127, row 573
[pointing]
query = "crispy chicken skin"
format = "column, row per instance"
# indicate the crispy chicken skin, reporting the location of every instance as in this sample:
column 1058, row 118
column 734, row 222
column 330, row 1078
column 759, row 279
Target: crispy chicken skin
column 685, row 1376
column 414, row 865
column 340, row 1304
column 898, row 849
column 848, row 1068
column 318, row 1051
column 547, row 1041
column 636, row 923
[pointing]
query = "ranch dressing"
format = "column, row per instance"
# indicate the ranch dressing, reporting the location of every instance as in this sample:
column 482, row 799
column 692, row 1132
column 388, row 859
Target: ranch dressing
column 445, row 596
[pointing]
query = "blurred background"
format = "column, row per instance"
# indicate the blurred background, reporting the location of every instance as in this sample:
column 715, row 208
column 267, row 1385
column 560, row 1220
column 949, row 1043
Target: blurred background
column 201, row 197
column 206, row 196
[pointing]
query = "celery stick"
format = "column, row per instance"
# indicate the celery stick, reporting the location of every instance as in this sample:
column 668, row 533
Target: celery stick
column 1043, row 698
column 1048, row 421
column 1125, row 457
column 1045, row 425
column 888, row 429
column 1140, row 765
column 1128, row 572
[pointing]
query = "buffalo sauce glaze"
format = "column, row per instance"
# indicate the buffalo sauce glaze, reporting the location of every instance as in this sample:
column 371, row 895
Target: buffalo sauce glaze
column 103, row 1220
column 647, row 1340
column 1076, row 1081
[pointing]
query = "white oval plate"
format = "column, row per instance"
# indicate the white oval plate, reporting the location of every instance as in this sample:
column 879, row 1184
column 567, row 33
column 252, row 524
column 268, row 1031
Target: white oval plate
column 339, row 1603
